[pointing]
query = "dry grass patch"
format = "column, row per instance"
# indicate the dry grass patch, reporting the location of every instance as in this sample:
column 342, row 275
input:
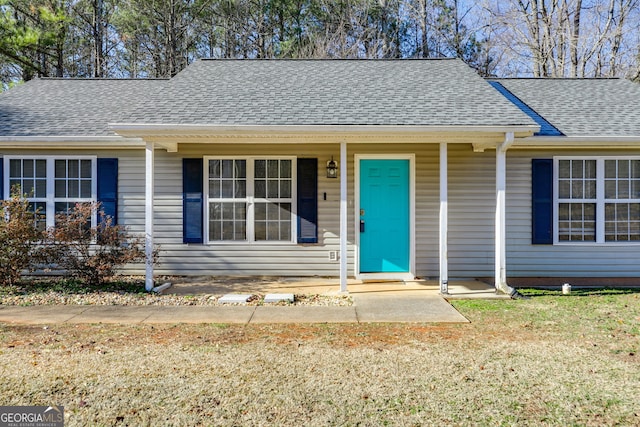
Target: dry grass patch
column 546, row 361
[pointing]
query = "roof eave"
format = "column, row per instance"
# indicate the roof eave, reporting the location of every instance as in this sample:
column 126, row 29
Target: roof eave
column 142, row 130
column 70, row 141
column 603, row 141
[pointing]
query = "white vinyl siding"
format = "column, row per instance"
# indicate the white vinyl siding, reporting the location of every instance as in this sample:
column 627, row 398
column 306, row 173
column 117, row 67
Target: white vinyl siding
column 471, row 215
column 560, row 260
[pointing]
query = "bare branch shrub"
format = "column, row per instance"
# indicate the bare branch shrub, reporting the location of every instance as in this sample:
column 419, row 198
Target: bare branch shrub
column 20, row 239
column 92, row 253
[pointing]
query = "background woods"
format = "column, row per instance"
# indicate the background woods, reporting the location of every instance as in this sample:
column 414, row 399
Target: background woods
column 158, row 38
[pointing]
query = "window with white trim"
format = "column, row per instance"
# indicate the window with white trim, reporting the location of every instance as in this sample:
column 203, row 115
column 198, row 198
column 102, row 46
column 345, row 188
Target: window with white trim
column 598, row 199
column 53, row 185
column 250, row 199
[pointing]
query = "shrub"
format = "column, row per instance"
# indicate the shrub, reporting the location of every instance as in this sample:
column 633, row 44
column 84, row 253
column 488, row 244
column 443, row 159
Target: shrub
column 92, row 254
column 20, row 239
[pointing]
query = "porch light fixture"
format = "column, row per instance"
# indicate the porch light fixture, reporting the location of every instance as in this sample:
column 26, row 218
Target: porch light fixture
column 332, row 168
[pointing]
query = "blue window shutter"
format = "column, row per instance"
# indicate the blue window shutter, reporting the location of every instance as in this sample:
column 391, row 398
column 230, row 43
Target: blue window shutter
column 108, row 187
column 192, row 200
column 542, row 201
column 307, row 200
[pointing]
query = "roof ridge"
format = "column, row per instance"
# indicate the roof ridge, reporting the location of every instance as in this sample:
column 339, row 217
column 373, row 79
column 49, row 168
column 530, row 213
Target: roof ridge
column 443, row 58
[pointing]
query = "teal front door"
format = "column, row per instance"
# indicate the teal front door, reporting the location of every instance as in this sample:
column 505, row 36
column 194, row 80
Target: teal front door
column 384, row 216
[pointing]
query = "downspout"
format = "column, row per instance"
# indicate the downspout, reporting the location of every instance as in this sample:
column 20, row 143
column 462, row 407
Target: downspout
column 501, row 222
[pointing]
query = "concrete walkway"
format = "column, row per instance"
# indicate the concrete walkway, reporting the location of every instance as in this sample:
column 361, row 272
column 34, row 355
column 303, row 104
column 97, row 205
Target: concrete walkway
column 387, row 302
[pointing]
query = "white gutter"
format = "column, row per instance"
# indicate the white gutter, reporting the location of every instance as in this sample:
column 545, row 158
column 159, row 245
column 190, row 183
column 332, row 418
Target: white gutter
column 132, row 129
column 577, row 141
column 70, row 142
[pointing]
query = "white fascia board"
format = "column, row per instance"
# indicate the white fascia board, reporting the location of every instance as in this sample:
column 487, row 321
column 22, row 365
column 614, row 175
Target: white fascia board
column 73, row 142
column 578, row 141
column 142, row 130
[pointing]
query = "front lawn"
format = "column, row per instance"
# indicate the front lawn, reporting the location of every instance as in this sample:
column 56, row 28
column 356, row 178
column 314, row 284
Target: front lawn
column 550, row 360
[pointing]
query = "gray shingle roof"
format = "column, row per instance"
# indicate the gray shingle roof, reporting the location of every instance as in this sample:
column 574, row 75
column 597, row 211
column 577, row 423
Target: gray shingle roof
column 263, row 92
column 333, row 92
column 582, row 107
column 72, row 107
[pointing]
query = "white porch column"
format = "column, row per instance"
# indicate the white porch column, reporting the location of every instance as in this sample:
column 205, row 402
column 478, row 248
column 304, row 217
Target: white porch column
column 501, row 225
column 148, row 214
column 343, row 217
column 444, row 220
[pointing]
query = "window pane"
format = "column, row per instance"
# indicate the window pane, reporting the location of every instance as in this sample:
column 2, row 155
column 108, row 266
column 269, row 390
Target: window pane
column 273, row 231
column 28, row 187
column 623, row 189
column 610, row 189
column 85, row 189
column 577, row 169
column 41, row 188
column 61, row 188
column 61, row 169
column 41, row 168
column 260, row 169
column 590, row 189
column 228, row 232
column 74, row 169
column 215, row 211
column 635, row 168
column 85, row 169
column 635, row 189
column 215, row 230
column 260, row 211
column 285, row 168
column 564, row 189
column 27, row 170
column 15, row 168
column 272, row 168
column 285, row 231
column 273, row 211
column 610, row 169
column 14, row 185
column 227, row 189
column 214, row 168
column 272, row 189
column 261, row 231
column 241, row 169
column 564, row 169
column 577, row 190
column 214, row 189
column 241, row 189
column 285, row 189
column 623, row 168
column 227, row 168
column 590, row 169
column 260, row 189
column 74, row 189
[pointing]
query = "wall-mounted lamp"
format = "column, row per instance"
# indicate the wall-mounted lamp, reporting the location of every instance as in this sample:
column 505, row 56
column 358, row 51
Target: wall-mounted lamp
column 332, row 168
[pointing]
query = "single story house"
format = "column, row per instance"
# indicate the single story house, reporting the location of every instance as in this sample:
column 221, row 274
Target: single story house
column 391, row 169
